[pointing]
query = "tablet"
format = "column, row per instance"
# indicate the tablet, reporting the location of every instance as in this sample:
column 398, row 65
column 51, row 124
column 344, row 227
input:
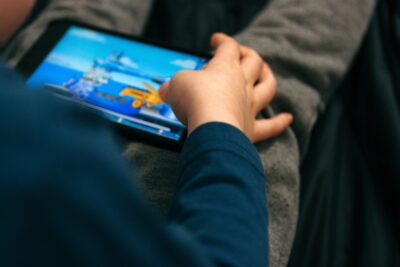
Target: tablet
column 116, row 75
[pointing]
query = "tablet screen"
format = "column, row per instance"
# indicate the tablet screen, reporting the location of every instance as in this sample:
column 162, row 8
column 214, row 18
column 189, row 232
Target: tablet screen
column 117, row 77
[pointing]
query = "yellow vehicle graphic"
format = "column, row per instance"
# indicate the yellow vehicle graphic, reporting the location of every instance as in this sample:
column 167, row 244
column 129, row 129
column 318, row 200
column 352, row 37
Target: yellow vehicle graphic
column 142, row 98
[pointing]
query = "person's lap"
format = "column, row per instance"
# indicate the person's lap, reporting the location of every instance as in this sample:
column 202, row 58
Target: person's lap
column 156, row 167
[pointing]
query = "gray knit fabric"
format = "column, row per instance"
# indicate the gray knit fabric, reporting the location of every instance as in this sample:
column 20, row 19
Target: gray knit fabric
column 127, row 16
column 309, row 45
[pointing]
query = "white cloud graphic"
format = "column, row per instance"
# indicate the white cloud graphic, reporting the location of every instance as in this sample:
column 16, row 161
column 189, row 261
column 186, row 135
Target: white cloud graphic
column 185, row 63
column 89, row 35
column 128, row 62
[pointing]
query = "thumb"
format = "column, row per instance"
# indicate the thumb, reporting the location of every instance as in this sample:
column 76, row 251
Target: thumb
column 267, row 128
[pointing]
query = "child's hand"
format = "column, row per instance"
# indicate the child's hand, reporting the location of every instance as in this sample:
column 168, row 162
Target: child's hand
column 233, row 88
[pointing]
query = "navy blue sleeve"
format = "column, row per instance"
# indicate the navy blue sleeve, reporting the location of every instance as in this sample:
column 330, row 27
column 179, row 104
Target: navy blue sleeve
column 220, row 197
column 67, row 198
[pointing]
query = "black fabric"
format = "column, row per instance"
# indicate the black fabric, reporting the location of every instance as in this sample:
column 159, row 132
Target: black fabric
column 350, row 189
column 39, row 6
column 190, row 23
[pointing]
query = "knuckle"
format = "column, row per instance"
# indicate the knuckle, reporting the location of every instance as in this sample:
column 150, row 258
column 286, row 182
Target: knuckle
column 274, row 87
column 253, row 53
column 180, row 75
column 259, row 62
column 178, row 79
column 235, row 45
column 274, row 84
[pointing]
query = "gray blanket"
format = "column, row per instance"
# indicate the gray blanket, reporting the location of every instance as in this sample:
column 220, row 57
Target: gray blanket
column 309, row 44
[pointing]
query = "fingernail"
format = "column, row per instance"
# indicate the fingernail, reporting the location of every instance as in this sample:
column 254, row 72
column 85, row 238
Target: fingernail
column 289, row 116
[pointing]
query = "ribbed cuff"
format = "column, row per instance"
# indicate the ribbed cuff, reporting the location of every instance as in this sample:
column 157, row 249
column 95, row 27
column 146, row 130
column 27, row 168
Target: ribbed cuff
column 219, row 136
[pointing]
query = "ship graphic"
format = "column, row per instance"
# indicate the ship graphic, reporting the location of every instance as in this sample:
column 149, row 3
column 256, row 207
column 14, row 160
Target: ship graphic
column 131, row 99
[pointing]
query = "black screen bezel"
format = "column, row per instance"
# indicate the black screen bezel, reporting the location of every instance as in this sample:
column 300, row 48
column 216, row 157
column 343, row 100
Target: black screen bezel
column 50, row 38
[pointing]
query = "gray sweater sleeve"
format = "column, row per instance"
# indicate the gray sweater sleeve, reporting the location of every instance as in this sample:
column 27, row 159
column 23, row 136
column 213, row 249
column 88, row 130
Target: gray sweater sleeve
column 127, row 16
column 310, row 45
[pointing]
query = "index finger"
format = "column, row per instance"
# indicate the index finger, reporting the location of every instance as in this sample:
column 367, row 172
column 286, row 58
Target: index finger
column 227, row 49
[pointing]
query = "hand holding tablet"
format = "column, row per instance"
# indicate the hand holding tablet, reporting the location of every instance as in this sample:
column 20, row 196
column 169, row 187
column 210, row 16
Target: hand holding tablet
column 120, row 76
column 233, row 88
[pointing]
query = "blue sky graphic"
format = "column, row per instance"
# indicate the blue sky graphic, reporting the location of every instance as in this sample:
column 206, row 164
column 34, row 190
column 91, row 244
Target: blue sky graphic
column 80, row 47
